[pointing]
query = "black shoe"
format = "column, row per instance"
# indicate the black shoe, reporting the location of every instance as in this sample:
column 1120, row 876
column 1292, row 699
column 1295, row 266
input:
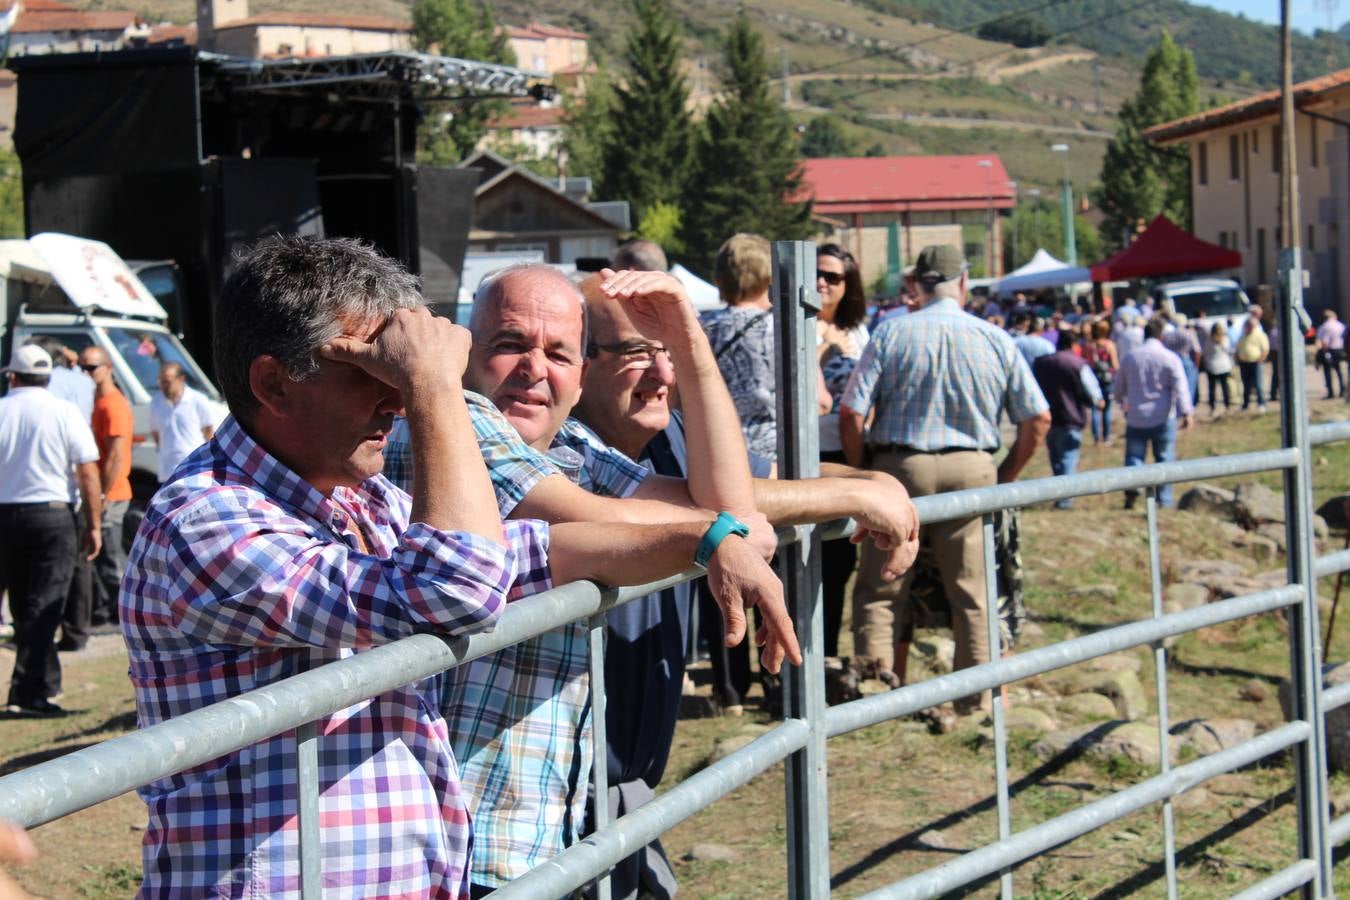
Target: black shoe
column 37, row 709
column 69, row 645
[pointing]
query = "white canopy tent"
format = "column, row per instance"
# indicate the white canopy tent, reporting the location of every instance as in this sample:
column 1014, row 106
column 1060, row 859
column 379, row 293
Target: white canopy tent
column 1043, row 271
column 703, row 294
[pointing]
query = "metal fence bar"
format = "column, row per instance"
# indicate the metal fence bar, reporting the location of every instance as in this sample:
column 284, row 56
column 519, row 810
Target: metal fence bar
column 1339, row 831
column 1328, row 432
column 1282, row 882
column 902, row 701
column 978, row 501
column 307, row 794
column 1335, row 697
column 807, row 798
column 581, row 862
column 599, row 738
column 1304, row 632
column 1331, row 563
column 1160, row 679
column 1061, row 829
column 1000, row 729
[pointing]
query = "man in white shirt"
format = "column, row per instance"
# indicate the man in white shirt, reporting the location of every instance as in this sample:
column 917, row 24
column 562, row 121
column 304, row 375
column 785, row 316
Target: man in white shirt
column 41, row 438
column 180, row 419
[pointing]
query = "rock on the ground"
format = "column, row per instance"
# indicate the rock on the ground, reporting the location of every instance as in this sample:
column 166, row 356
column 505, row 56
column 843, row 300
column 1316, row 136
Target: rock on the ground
column 1206, row 736
column 1262, row 549
column 1203, row 571
column 1224, row 588
column 1208, row 500
column 1114, row 662
column 1337, row 720
column 1255, row 504
column 1135, row 741
column 710, row 853
column 1028, row 718
column 1255, row 691
column 1086, row 707
column 1187, row 596
column 1121, row 687
column 1275, row 532
column 1099, row 591
column 933, row 840
column 1197, row 798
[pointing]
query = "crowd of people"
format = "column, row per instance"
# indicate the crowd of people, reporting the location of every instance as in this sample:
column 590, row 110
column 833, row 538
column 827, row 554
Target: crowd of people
column 384, row 472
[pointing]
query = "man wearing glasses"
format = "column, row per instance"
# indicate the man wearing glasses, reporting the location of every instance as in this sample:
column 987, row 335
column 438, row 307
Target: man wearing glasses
column 519, row 719
column 113, row 427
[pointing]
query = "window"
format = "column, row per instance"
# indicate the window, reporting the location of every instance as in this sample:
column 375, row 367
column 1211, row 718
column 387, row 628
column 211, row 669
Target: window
column 1256, row 140
column 1312, row 140
column 1275, row 149
column 1223, row 239
column 1202, row 162
column 1234, row 158
column 1261, row 254
column 1312, row 243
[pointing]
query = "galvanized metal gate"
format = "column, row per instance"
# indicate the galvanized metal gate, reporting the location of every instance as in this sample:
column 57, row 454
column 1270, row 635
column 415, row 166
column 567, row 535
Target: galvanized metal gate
column 89, row 776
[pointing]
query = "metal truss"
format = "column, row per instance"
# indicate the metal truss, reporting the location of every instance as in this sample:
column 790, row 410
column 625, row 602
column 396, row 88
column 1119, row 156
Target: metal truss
column 402, row 75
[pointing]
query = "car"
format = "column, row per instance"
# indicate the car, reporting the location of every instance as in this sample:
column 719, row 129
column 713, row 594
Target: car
column 1204, row 302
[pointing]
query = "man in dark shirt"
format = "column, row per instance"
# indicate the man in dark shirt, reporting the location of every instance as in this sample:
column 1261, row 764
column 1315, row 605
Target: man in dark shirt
column 1072, row 391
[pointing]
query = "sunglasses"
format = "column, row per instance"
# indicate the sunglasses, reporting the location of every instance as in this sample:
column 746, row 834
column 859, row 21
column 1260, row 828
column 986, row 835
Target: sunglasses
column 830, row 278
column 91, row 369
column 634, row 356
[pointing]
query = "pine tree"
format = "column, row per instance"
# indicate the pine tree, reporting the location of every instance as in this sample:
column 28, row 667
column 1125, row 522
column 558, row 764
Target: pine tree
column 747, row 165
column 825, row 137
column 467, row 30
column 588, row 125
column 645, row 155
column 1140, row 180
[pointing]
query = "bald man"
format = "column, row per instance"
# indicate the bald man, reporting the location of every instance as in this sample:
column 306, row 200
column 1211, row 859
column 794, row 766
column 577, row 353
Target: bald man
column 181, row 419
column 113, row 427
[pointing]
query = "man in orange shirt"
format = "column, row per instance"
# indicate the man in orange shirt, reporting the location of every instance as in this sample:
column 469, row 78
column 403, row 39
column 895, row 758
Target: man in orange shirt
column 113, row 428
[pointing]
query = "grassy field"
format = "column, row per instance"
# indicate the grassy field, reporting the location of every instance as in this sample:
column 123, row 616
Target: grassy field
column 900, row 799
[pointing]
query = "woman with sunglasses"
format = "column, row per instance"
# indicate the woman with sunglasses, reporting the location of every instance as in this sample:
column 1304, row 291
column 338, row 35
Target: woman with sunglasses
column 841, row 335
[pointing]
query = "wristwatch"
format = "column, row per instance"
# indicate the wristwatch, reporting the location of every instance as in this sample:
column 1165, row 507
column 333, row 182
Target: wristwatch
column 725, row 524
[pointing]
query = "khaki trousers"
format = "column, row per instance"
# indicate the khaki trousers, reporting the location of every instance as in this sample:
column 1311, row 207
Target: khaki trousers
column 881, row 611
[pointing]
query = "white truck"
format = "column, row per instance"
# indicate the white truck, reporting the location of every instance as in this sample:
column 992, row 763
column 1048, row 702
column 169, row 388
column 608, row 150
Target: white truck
column 82, row 293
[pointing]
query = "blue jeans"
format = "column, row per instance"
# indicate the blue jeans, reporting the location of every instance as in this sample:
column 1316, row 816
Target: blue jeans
column 1101, row 419
column 1063, row 443
column 1164, row 440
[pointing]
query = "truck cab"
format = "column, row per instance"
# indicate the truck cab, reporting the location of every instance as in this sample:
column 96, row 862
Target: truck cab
column 81, row 293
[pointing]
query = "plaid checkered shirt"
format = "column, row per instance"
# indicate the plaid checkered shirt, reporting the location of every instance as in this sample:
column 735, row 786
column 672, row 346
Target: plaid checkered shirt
column 241, row 575
column 520, row 719
column 939, row 378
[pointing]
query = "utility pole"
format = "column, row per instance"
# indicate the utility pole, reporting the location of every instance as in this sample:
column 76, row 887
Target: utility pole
column 1070, row 241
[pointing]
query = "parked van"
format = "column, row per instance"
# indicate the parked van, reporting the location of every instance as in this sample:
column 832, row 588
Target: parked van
column 82, row 293
column 1204, row 301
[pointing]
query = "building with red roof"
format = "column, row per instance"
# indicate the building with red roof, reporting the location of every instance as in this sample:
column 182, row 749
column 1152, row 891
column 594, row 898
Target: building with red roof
column 47, row 26
column 1235, row 152
column 931, row 198
column 226, row 26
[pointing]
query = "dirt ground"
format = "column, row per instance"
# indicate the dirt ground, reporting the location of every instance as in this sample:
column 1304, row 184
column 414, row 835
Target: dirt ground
column 900, row 799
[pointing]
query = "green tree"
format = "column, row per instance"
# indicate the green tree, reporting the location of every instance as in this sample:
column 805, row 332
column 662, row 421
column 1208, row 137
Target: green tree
column 1020, row 30
column 11, row 195
column 747, row 167
column 1041, row 225
column 588, row 126
column 464, row 29
column 824, row 137
column 1140, row 180
column 645, row 155
column 661, row 225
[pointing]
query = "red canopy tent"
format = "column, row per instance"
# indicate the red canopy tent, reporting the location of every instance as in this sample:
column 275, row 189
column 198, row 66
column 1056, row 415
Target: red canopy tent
column 1164, row 249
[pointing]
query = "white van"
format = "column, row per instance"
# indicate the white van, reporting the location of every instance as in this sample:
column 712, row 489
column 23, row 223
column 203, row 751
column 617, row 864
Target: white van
column 1205, row 301
column 82, row 293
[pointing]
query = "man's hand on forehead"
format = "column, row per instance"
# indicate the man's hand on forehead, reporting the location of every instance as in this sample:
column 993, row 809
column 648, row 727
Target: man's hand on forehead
column 656, row 302
column 412, row 348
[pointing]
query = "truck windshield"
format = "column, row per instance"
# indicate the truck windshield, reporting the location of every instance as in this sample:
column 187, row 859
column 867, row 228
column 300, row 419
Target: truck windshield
column 1217, row 302
column 145, row 351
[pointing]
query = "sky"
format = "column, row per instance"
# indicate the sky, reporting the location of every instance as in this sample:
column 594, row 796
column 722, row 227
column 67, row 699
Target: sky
column 1307, row 14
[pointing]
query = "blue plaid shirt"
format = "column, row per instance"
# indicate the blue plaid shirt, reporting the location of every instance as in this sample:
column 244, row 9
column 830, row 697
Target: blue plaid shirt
column 243, row 574
column 520, row 719
column 939, row 378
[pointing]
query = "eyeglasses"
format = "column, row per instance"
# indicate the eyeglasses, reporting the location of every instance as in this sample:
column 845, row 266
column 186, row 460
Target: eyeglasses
column 634, row 355
column 830, row 278
column 91, row 369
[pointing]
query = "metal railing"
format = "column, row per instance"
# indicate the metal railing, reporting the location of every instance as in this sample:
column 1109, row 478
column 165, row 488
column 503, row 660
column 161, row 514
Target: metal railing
column 59, row 787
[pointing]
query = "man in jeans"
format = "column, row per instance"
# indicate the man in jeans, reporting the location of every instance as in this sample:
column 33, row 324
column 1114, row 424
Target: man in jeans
column 1151, row 388
column 1072, row 392
column 113, row 427
column 1331, row 352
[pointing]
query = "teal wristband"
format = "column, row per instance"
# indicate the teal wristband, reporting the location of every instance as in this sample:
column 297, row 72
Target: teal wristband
column 725, row 524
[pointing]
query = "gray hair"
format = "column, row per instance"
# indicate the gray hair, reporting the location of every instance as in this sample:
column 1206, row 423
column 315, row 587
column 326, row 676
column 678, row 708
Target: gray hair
column 289, row 295
column 949, row 289
column 492, row 291
column 640, row 255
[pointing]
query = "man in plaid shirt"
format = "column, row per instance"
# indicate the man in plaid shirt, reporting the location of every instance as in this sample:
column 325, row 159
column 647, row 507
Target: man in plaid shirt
column 520, row 719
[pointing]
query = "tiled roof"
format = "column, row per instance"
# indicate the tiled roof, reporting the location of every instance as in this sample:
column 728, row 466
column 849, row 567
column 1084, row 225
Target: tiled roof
column 37, row 21
column 884, row 183
column 321, row 20
column 531, row 116
column 1259, row 106
column 163, row 34
column 538, row 31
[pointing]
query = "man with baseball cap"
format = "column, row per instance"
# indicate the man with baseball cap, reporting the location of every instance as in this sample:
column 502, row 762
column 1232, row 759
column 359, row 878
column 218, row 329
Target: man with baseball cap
column 938, row 380
column 42, row 437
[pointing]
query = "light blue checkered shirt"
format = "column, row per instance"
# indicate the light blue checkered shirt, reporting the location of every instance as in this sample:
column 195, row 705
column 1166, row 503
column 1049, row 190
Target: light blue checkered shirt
column 939, row 378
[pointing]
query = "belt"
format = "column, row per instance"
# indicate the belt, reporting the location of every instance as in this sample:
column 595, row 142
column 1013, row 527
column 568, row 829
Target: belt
column 905, row 448
column 41, row 504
